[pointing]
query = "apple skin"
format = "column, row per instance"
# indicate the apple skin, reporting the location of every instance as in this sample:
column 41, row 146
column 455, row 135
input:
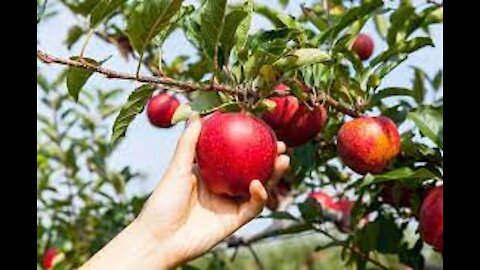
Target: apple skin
column 293, row 122
column 397, row 195
column 368, row 144
column 363, row 46
column 232, row 150
column 160, row 109
column 339, row 211
column 48, row 257
column 431, row 218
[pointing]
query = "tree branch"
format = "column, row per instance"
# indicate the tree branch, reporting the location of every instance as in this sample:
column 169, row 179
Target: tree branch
column 171, row 83
column 165, row 81
column 352, row 249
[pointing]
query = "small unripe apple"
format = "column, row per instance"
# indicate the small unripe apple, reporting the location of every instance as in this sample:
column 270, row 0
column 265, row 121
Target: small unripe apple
column 431, row 218
column 48, row 257
column 160, row 109
column 368, row 144
column 363, row 46
column 293, row 122
column 234, row 149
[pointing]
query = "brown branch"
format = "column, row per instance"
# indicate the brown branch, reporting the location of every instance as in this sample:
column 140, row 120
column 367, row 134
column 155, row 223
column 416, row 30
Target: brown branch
column 339, row 107
column 353, row 249
column 255, row 256
column 165, row 81
column 172, row 83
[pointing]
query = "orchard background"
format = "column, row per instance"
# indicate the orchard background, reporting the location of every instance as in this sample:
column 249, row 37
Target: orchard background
column 98, row 157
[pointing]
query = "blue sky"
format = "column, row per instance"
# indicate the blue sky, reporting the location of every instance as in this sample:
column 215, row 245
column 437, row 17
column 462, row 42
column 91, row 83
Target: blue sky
column 147, row 149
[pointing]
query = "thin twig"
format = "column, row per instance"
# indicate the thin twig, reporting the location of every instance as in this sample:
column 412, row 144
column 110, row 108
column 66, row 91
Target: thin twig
column 353, row 249
column 255, row 256
column 172, row 83
column 166, row 81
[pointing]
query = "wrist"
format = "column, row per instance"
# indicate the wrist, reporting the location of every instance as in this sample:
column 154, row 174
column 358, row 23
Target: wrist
column 136, row 247
column 156, row 244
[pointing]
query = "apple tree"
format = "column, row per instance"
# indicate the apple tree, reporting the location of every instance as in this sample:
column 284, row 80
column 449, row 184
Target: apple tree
column 366, row 159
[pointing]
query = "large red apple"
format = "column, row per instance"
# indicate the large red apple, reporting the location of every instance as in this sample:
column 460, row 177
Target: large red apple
column 160, row 109
column 293, row 122
column 431, row 218
column 232, row 150
column 48, row 257
column 363, row 46
column 368, row 144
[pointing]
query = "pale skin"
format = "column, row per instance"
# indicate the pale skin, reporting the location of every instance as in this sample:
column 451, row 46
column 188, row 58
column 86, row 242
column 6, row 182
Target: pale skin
column 182, row 219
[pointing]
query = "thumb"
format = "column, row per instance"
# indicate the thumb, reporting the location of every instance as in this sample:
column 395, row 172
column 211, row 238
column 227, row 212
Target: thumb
column 185, row 151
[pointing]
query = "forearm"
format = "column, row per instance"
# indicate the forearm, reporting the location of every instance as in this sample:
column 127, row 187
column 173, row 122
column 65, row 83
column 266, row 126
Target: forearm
column 134, row 248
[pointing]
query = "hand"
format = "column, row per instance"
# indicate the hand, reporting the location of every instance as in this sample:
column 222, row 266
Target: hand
column 184, row 218
column 186, row 215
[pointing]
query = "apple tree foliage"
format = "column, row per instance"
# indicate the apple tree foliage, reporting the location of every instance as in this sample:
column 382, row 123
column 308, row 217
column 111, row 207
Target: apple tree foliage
column 81, row 199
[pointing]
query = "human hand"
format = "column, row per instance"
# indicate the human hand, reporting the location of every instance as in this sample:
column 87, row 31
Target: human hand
column 190, row 219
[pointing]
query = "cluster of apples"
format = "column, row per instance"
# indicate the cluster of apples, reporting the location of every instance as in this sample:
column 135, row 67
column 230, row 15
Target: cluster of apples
column 235, row 148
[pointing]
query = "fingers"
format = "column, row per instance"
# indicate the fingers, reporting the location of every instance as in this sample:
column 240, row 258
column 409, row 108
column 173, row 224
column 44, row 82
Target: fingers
column 279, row 169
column 281, row 147
column 253, row 207
column 185, row 152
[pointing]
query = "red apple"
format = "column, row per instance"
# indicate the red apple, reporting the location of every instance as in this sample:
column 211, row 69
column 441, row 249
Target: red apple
column 160, row 109
column 363, row 46
column 338, row 211
column 232, row 150
column 431, row 218
column 293, row 122
column 48, row 257
column 397, row 194
column 368, row 144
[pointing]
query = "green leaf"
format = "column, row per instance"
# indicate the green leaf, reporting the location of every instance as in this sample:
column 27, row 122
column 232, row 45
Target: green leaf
column 74, row 34
column 149, row 19
column 399, row 22
column 389, row 92
column 401, row 174
column 301, row 57
column 41, row 7
column 311, row 210
column 203, row 101
column 382, row 25
column 43, row 83
column 83, row 7
column 430, row 122
column 412, row 256
column 212, row 20
column 418, row 85
column 77, row 77
column 382, row 235
column 102, row 10
column 233, row 33
column 135, row 105
column 437, row 80
column 350, row 17
column 402, row 48
column 272, row 16
column 182, row 113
